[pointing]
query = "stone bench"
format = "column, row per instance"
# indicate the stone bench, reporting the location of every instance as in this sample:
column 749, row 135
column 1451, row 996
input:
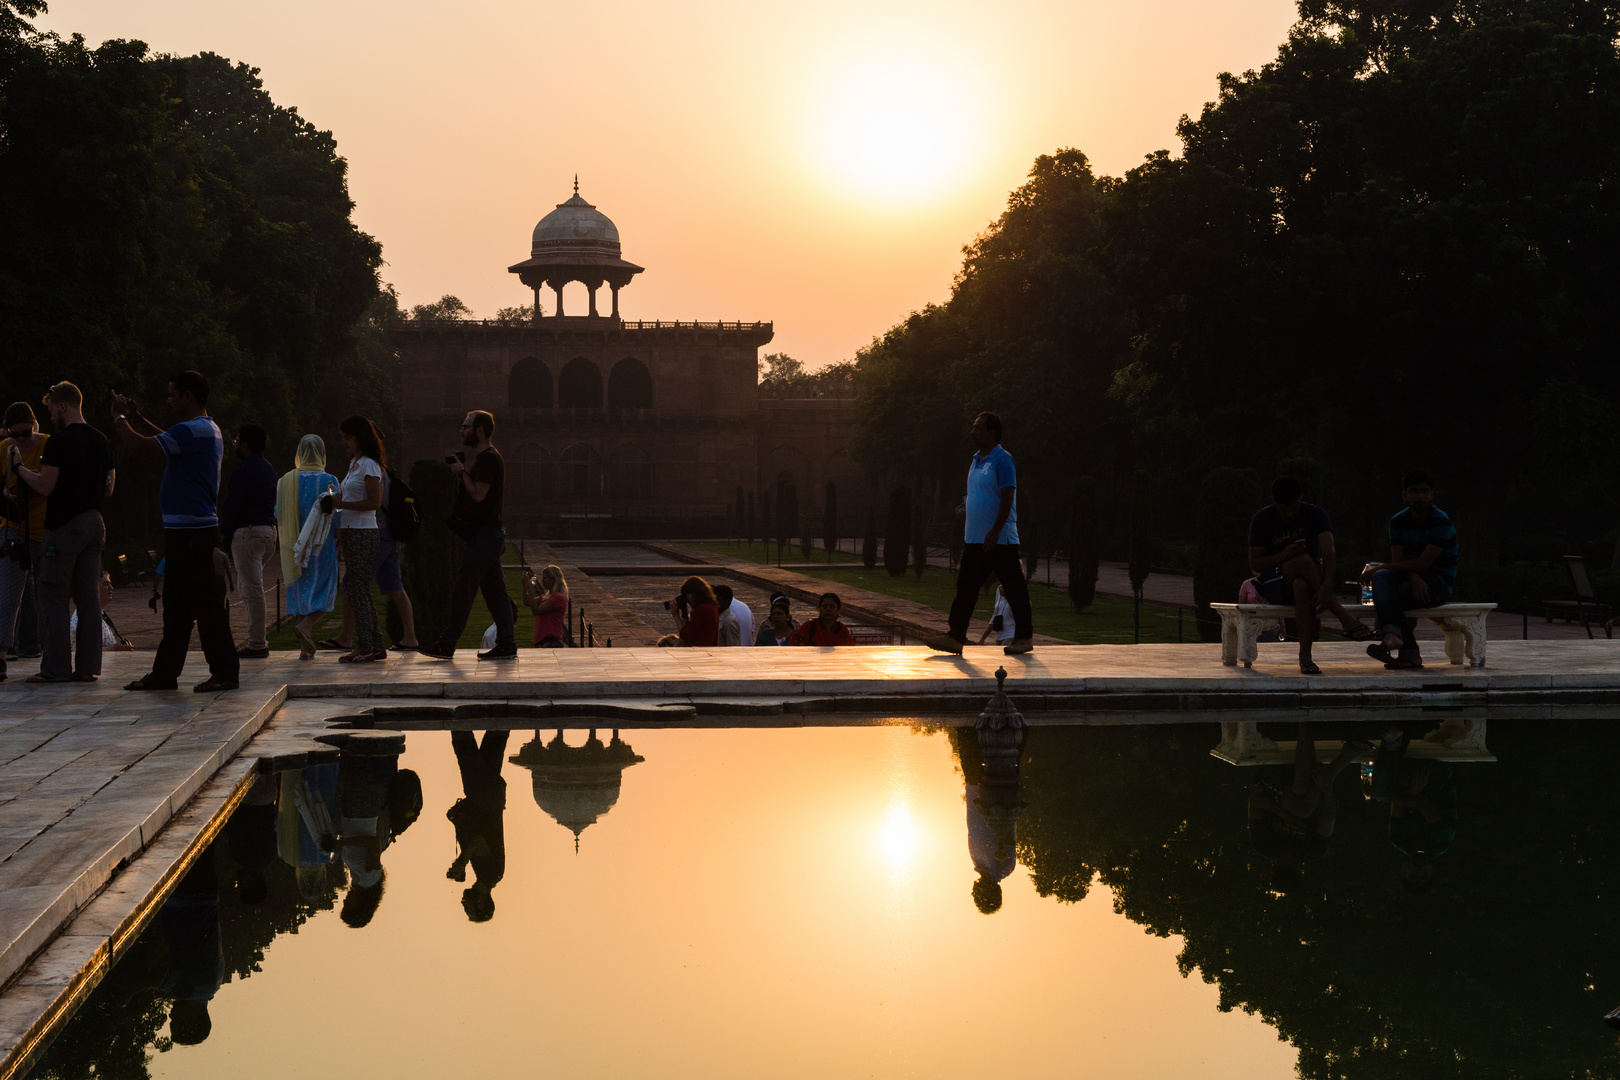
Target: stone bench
column 1464, row 625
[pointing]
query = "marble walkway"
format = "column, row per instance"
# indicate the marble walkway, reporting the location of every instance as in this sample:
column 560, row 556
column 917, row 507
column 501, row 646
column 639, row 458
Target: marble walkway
column 92, row 776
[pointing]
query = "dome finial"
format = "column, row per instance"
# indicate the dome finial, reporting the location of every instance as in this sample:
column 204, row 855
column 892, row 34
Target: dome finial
column 576, row 183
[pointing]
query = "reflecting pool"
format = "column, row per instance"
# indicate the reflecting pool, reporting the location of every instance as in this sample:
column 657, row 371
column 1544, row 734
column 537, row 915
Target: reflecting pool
column 889, row 901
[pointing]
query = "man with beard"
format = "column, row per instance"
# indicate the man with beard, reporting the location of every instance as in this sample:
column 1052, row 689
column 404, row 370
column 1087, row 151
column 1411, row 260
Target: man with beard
column 248, row 521
column 476, row 518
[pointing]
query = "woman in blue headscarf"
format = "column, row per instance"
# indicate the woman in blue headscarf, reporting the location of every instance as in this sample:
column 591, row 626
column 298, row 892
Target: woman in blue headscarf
column 311, row 588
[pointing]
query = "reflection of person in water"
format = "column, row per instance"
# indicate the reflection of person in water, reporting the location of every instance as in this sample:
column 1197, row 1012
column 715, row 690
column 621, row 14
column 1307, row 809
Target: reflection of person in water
column 1422, row 798
column 1292, row 812
column 251, row 835
column 189, row 920
column 994, row 801
column 363, row 824
column 479, row 819
column 306, row 835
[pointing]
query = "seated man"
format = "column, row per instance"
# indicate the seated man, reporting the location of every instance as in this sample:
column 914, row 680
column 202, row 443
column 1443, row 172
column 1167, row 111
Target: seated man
column 1292, row 555
column 1422, row 571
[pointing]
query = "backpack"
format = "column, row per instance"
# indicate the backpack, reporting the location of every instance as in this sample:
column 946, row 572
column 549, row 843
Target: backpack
column 404, row 519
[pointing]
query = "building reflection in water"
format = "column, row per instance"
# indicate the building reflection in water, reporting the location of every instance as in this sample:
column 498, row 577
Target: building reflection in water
column 576, row 785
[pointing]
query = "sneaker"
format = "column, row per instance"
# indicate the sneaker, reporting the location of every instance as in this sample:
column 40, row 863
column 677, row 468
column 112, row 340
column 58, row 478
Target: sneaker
column 943, row 643
column 1019, row 645
column 434, row 652
column 246, row 653
column 498, row 653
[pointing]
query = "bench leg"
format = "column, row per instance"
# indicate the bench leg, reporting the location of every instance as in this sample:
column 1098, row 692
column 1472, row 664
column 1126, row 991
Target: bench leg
column 1229, row 638
column 1241, row 741
column 1248, row 639
column 1465, row 638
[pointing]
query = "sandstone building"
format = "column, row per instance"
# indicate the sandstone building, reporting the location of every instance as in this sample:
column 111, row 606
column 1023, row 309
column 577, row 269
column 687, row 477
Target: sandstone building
column 614, row 427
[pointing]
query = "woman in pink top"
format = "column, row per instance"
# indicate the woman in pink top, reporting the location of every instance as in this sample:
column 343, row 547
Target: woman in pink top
column 549, row 602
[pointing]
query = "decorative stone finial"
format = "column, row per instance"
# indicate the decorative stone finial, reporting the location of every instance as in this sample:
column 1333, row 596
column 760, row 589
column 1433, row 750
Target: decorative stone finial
column 576, row 183
column 1000, row 713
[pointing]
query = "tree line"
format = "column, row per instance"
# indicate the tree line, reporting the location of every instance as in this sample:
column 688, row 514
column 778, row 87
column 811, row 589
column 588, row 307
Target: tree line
column 1390, row 247
column 163, row 214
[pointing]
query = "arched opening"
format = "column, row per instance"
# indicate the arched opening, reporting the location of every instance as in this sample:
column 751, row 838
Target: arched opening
column 530, row 479
column 581, row 473
column 576, row 298
column 630, row 386
column 580, row 385
column 632, row 473
column 528, row 386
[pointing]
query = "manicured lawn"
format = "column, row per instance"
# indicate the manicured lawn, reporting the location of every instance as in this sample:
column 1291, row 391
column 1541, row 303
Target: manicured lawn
column 1106, row 621
column 329, row 625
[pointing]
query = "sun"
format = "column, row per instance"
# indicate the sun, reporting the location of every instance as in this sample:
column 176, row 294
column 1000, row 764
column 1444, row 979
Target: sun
column 896, row 123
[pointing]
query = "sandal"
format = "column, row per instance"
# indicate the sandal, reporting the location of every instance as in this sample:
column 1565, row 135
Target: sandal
column 213, row 686
column 1404, row 664
column 1308, row 667
column 1381, row 654
column 305, row 641
column 48, row 679
column 145, row 683
column 1359, row 632
column 332, row 643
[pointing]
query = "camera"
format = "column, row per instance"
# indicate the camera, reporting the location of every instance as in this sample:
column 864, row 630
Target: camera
column 679, row 602
column 459, row 455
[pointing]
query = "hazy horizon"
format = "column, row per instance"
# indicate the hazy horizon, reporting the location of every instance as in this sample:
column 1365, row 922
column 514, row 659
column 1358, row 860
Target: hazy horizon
column 817, row 168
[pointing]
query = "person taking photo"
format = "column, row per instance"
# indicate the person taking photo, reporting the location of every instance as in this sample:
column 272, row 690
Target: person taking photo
column 476, row 518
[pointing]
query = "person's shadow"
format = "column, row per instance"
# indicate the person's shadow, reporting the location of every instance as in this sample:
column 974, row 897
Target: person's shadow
column 479, row 819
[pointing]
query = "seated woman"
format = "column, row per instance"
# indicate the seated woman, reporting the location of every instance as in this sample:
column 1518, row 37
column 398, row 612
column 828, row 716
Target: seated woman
column 549, row 602
column 697, row 618
column 779, row 627
column 826, row 629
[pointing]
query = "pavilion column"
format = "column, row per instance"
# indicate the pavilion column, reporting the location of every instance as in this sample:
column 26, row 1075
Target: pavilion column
column 615, row 289
column 537, row 303
column 593, row 289
column 557, row 288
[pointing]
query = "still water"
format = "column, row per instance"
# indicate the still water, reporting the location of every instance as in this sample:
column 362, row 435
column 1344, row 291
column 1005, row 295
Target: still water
column 877, row 901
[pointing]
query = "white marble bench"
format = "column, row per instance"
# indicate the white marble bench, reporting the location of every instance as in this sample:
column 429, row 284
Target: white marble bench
column 1242, row 744
column 1464, row 625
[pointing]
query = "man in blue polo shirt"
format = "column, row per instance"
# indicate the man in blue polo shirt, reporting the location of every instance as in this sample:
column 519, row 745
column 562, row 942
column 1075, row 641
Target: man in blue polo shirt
column 1422, row 571
column 194, row 584
column 991, row 536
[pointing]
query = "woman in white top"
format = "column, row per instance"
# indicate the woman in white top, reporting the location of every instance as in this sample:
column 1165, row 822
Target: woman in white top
column 356, row 504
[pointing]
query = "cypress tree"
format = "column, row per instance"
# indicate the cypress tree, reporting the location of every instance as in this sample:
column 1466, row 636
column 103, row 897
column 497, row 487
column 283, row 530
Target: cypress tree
column 869, row 550
column 807, row 546
column 829, row 520
column 1225, row 501
column 787, row 517
column 919, row 542
column 1141, row 554
column 765, row 522
column 741, row 507
column 749, row 519
column 1083, row 543
column 896, row 532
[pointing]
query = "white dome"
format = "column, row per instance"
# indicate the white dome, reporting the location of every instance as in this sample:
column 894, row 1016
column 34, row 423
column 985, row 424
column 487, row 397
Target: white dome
column 575, row 227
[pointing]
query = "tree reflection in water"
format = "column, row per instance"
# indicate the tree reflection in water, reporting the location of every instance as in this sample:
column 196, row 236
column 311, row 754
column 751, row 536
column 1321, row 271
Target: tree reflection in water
column 1503, row 968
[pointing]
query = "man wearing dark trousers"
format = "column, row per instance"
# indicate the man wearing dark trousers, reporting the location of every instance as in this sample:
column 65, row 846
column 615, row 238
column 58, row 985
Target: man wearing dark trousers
column 991, row 536
column 194, row 580
column 476, row 518
column 75, row 472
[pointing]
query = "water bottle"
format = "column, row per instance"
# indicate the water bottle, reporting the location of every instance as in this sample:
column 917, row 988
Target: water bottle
column 1366, row 584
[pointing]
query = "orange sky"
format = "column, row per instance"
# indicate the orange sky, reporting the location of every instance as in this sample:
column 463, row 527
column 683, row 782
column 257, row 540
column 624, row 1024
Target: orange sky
column 819, row 165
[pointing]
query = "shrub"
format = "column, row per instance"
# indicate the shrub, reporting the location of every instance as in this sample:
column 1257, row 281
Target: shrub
column 431, row 561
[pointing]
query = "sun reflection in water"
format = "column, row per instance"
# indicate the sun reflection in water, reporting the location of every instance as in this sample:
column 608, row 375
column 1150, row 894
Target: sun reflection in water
column 898, row 839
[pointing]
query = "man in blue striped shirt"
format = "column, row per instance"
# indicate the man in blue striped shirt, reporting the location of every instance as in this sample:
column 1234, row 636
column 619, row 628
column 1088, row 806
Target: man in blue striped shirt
column 1422, row 571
